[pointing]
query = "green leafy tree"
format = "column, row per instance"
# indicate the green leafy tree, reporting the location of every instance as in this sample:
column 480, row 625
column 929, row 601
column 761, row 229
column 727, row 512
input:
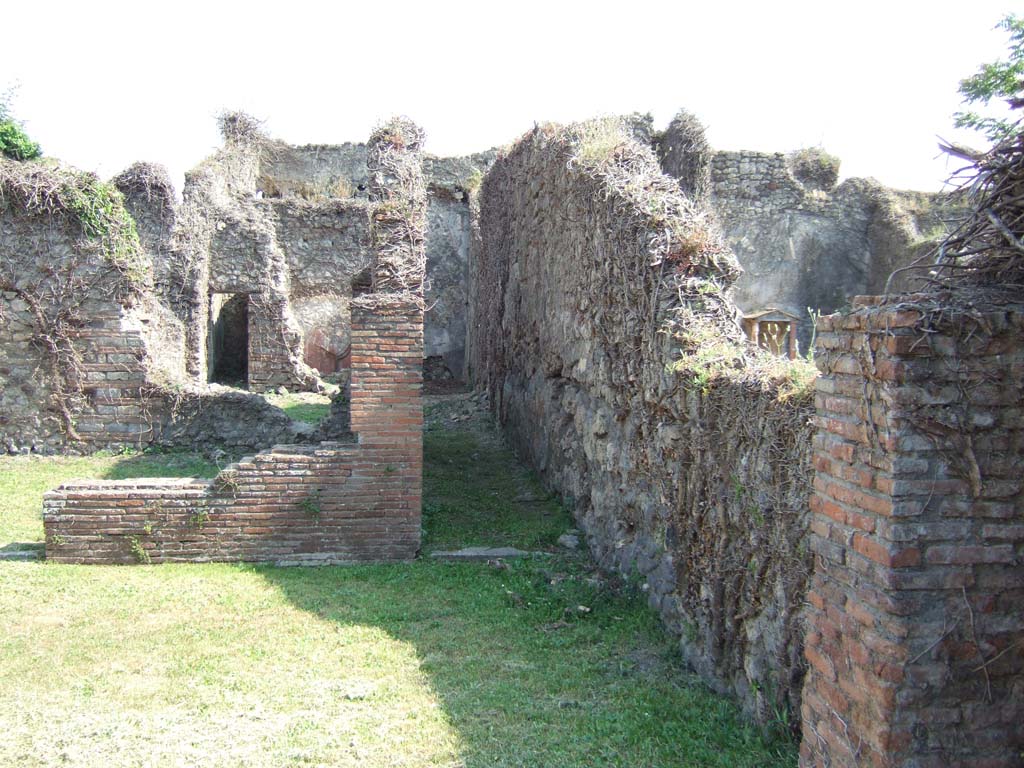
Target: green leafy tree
column 1003, row 79
column 14, row 142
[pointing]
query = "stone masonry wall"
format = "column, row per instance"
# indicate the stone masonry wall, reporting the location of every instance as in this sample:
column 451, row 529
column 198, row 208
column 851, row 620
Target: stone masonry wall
column 327, row 245
column 94, row 347
column 332, row 175
column 804, row 242
column 916, row 617
column 329, row 503
column 701, row 491
column 149, row 197
column 234, row 243
column 209, row 207
column 83, row 341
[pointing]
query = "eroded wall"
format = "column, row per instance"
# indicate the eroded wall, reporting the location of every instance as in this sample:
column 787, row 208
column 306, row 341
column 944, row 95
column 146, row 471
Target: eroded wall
column 916, row 628
column 83, row 340
column 702, row 492
column 333, row 175
column 327, row 503
column 807, row 243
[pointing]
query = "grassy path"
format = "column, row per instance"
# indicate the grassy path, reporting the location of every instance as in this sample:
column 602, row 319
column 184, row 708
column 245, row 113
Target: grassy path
column 539, row 662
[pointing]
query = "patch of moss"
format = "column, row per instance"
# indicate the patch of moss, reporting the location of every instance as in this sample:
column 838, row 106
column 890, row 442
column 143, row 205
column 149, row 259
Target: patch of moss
column 97, row 208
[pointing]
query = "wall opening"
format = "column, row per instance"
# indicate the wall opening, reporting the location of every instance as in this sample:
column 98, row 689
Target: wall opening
column 774, row 330
column 229, row 339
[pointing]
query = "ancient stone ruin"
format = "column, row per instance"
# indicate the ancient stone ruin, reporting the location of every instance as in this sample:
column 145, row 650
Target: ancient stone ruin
column 839, row 545
column 342, row 501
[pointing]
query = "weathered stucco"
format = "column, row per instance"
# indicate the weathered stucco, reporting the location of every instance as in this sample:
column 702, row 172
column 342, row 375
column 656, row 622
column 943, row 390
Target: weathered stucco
column 806, row 243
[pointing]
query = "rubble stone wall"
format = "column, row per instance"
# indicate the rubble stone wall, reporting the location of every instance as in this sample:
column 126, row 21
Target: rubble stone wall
column 234, row 243
column 700, row 493
column 290, row 505
column 328, row 503
column 328, row 176
column 805, row 242
column 82, row 338
column 120, row 381
column 327, row 244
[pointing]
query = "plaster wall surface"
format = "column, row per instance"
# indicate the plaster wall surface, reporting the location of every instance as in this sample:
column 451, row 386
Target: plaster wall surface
column 806, row 243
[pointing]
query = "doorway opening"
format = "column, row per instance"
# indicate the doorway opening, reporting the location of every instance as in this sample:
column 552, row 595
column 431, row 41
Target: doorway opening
column 229, row 339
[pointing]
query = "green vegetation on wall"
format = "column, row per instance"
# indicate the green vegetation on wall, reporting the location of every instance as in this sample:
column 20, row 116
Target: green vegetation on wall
column 98, row 208
column 15, row 143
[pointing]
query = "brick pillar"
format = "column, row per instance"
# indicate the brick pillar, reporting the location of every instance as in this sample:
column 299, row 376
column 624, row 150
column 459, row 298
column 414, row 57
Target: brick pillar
column 386, row 401
column 915, row 639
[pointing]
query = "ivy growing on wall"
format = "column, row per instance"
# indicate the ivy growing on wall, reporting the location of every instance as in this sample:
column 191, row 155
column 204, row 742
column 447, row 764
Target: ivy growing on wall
column 55, row 293
column 97, row 209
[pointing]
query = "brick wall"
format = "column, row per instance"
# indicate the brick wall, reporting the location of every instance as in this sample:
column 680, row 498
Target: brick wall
column 330, row 503
column 916, row 609
column 118, row 411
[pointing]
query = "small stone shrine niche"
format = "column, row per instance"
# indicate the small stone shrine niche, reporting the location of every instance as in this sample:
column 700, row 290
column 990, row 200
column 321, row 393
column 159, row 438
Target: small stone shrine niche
column 772, row 329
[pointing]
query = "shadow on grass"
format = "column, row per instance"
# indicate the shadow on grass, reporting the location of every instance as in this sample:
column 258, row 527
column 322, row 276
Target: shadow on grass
column 536, row 662
column 540, row 663
column 156, row 464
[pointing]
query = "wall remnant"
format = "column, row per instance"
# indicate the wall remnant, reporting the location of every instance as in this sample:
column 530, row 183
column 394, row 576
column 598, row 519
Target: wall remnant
column 83, row 337
column 322, row 173
column 789, row 228
column 596, row 286
column 916, row 634
column 299, row 504
column 685, row 155
column 789, row 222
column 611, row 358
column 257, row 262
column 95, row 322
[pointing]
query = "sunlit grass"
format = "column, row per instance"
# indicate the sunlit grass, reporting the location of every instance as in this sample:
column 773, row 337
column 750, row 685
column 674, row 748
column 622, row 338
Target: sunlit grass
column 302, row 406
column 24, row 479
column 541, row 662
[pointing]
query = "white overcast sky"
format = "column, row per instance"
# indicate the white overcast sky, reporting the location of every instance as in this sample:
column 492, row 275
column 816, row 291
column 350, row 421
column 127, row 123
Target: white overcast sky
column 103, row 84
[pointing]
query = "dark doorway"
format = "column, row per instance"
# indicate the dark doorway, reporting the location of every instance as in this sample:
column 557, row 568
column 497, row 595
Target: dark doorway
column 229, row 339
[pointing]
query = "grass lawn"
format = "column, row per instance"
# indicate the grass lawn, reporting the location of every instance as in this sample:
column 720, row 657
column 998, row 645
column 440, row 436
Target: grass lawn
column 24, row 479
column 302, row 406
column 541, row 662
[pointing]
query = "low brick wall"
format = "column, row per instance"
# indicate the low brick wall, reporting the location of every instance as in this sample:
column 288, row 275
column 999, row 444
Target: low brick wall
column 331, row 503
column 916, row 608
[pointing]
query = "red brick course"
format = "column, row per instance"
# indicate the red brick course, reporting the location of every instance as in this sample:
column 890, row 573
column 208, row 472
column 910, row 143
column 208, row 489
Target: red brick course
column 330, row 503
column 915, row 642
